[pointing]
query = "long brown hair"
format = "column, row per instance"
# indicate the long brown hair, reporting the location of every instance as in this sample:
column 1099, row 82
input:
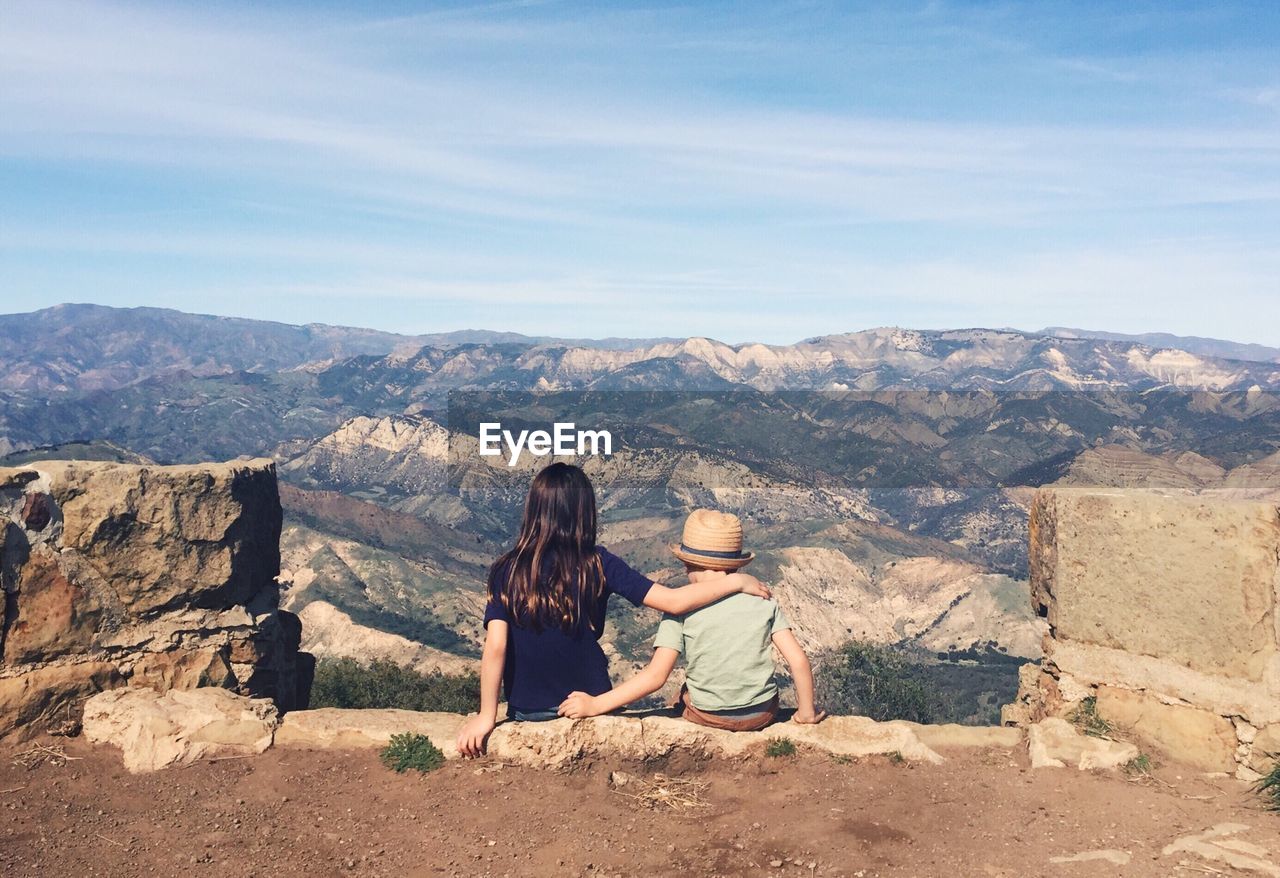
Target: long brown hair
column 553, row 576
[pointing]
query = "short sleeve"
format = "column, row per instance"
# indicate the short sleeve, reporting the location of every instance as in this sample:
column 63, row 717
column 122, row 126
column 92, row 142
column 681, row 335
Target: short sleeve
column 670, row 634
column 494, row 609
column 780, row 622
column 620, row 579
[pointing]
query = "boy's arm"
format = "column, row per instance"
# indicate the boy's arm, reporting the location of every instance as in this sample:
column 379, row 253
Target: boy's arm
column 475, row 731
column 646, row 682
column 696, row 595
column 801, row 675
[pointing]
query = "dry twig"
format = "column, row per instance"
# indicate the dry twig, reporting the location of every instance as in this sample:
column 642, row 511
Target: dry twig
column 671, row 793
column 38, row 754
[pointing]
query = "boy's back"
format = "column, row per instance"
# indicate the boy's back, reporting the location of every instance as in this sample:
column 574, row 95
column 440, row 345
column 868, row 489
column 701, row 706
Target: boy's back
column 728, row 653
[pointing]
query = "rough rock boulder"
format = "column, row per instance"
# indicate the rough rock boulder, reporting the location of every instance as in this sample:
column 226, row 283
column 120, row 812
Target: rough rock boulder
column 1055, row 743
column 162, row 576
column 156, row 730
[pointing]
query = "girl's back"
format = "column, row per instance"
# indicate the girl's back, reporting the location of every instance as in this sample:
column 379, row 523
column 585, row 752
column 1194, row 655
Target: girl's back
column 549, row 658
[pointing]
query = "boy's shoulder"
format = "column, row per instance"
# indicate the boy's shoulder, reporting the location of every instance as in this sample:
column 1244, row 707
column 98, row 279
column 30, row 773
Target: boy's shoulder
column 735, row 605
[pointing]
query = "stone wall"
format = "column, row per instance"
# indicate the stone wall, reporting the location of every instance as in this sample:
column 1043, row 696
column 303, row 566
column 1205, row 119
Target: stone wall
column 1161, row 608
column 159, row 576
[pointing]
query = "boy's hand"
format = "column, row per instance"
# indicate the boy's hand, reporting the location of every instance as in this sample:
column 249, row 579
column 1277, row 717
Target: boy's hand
column 578, row 705
column 748, row 584
column 808, row 717
column 474, row 736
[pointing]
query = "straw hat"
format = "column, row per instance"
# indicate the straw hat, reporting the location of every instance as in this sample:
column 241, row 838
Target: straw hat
column 712, row 540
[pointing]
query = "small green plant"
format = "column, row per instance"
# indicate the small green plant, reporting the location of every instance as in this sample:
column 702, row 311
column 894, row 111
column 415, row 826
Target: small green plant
column 896, row 758
column 842, row 759
column 1269, row 787
column 410, row 750
column 1139, row 766
column 1085, row 718
column 780, row 747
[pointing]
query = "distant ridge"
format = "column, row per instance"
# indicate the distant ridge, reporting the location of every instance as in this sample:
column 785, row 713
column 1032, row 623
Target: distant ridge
column 97, row 347
column 1207, row 347
column 90, row 348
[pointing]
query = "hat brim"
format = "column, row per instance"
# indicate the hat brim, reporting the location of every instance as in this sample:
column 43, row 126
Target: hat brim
column 711, row 563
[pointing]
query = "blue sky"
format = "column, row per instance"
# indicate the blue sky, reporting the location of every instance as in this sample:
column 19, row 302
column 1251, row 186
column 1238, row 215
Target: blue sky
column 744, row 171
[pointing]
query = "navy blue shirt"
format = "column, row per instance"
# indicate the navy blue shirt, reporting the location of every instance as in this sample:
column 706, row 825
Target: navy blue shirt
column 543, row 667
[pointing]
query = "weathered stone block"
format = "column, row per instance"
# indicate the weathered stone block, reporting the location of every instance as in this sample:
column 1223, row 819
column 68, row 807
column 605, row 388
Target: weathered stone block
column 183, row 669
column 1226, row 696
column 49, row 615
column 562, row 743
column 1190, row 580
column 176, row 536
column 339, row 728
column 951, row 736
column 1035, row 698
column 155, row 730
column 1055, row 743
column 33, row 702
column 1266, row 749
column 157, row 574
column 1185, row 734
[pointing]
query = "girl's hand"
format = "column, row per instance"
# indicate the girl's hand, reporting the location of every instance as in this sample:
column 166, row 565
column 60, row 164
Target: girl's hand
column 474, row 736
column 808, row 717
column 578, row 705
column 748, row 584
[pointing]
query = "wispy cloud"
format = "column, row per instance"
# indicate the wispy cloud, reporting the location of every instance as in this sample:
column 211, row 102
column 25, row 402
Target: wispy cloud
column 509, row 151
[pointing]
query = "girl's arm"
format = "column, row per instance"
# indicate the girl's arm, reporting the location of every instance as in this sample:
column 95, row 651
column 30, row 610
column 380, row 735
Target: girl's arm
column 695, row 595
column 801, row 675
column 475, row 731
column 646, row 682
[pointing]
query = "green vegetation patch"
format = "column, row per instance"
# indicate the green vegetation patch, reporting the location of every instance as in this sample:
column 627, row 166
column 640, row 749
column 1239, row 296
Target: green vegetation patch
column 882, row 683
column 409, row 750
column 1085, row 718
column 780, row 747
column 346, row 682
column 1139, row 766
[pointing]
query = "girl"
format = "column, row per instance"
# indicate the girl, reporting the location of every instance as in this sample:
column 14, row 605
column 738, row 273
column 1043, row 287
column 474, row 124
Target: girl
column 547, row 601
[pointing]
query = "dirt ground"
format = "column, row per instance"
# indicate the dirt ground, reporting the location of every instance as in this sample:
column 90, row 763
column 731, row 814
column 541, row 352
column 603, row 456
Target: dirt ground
column 293, row 812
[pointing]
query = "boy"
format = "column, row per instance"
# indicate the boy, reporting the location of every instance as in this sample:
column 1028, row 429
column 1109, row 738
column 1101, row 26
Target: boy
column 729, row 680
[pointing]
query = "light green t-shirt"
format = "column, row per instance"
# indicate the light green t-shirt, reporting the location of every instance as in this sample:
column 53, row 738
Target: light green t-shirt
column 728, row 651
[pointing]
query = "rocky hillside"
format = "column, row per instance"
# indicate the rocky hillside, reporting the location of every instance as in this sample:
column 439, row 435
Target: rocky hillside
column 1117, row 466
column 839, row 573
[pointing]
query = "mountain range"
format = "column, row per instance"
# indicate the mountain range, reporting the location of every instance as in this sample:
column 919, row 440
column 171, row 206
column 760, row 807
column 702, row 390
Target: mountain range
column 883, row 476
column 94, row 347
column 80, row 347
